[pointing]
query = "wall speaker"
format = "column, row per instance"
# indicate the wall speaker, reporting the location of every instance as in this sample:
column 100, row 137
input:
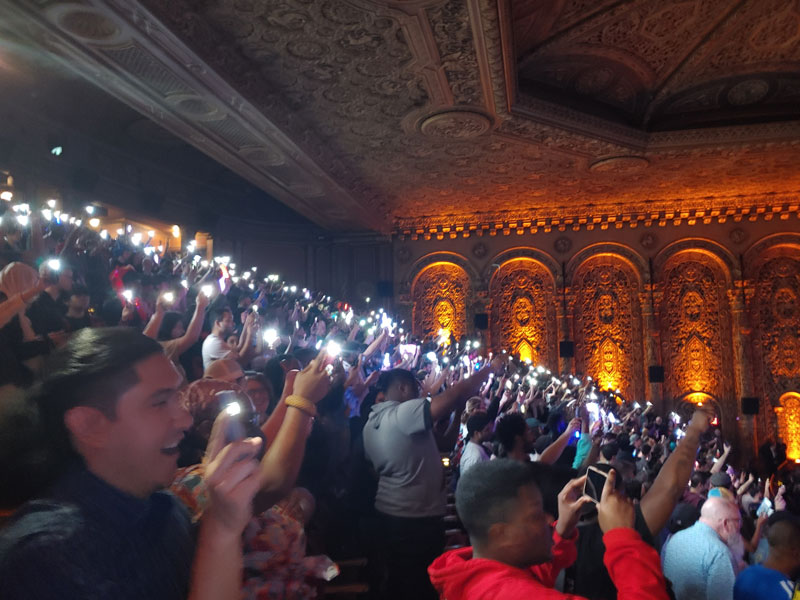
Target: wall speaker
column 750, row 405
column 655, row 374
column 566, row 349
column 385, row 289
column 481, row 321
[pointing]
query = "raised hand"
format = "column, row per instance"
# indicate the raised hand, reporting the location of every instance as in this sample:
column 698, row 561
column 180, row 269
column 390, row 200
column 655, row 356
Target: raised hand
column 312, row 383
column 570, row 501
column 614, row 510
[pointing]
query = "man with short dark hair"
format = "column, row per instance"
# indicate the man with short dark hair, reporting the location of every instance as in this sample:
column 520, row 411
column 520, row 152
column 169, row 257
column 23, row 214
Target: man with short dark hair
column 774, row 579
column 479, row 430
column 215, row 345
column 104, row 528
column 515, row 552
column 77, row 308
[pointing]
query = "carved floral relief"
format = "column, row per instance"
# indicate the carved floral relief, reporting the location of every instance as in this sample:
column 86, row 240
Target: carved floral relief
column 608, row 325
column 695, row 327
column 440, row 294
column 775, row 312
column 523, row 313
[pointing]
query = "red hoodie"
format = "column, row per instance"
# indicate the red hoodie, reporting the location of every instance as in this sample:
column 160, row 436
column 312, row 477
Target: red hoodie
column 634, row 567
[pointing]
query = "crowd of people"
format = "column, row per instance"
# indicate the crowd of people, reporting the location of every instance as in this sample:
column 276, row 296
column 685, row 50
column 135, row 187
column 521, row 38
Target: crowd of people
column 172, row 426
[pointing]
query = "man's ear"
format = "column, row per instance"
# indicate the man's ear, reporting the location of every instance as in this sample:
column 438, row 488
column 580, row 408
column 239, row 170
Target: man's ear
column 496, row 536
column 87, row 425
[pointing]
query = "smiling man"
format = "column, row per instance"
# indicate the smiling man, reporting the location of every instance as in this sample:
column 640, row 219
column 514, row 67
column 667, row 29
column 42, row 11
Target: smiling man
column 111, row 422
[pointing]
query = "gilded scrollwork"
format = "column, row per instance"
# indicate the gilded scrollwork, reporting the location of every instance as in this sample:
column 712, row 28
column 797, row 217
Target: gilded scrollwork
column 608, row 330
column 775, row 312
column 522, row 313
column 695, row 327
column 440, row 293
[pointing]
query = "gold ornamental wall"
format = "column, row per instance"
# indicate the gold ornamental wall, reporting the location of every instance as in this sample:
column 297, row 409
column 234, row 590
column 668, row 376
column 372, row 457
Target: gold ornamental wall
column 722, row 321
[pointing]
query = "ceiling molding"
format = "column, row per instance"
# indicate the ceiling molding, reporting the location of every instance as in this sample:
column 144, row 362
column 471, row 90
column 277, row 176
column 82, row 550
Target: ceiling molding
column 121, row 47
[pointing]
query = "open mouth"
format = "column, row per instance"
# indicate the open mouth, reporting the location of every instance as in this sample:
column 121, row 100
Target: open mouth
column 171, row 450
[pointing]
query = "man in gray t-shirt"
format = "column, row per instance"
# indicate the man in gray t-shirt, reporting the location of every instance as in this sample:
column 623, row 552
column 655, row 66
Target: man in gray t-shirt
column 411, row 497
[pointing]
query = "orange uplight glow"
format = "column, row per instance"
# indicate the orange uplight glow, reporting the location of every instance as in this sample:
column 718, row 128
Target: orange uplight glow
column 789, row 424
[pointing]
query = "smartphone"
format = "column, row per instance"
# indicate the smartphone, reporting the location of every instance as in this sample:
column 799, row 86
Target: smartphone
column 595, row 482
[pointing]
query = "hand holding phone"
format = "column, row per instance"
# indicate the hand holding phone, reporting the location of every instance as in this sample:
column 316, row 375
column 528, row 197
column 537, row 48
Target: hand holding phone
column 594, row 483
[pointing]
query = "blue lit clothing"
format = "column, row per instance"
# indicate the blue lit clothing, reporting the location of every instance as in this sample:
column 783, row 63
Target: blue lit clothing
column 699, row 564
column 89, row 540
column 759, row 583
column 582, row 450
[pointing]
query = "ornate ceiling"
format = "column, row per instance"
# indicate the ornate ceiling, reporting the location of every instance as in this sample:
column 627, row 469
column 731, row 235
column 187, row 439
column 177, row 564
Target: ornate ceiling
column 438, row 117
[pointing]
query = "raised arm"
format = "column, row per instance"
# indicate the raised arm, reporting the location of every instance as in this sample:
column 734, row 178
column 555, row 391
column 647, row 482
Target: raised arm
column 717, row 467
column 554, row 450
column 660, row 500
column 195, row 325
column 281, row 463
column 457, row 395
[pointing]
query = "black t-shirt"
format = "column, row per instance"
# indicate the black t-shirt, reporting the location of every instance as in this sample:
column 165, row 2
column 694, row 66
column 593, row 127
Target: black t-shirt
column 46, row 314
column 589, row 573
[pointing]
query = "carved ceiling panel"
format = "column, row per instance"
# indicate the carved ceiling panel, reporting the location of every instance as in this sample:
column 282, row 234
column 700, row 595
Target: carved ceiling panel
column 404, row 116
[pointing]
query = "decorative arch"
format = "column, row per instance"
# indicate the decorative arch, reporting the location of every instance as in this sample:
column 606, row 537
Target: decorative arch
column 605, row 289
column 440, row 292
column 773, row 274
column 523, row 312
column 696, row 320
column 636, row 262
column 788, row 413
column 728, row 264
column 424, row 262
column 543, row 258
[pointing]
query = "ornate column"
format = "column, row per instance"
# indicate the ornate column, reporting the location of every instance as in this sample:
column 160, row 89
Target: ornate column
column 651, row 339
column 565, row 330
column 743, row 371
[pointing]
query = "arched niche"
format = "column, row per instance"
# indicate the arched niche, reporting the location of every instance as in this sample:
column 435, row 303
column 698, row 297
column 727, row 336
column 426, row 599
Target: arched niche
column 788, row 413
column 440, row 293
column 432, row 258
column 695, row 320
column 772, row 268
column 541, row 257
column 604, row 289
column 522, row 294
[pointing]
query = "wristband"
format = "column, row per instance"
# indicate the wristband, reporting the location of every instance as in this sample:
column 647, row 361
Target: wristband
column 302, row 404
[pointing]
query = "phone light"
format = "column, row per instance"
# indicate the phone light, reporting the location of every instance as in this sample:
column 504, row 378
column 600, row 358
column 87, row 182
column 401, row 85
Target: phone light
column 233, row 409
column 169, row 297
column 176, row 231
column 270, row 337
column 431, row 356
column 54, row 264
column 104, row 234
column 94, row 222
column 151, row 234
column 207, row 289
column 89, row 210
column 128, row 295
column 7, row 195
column 334, row 349
column 293, row 289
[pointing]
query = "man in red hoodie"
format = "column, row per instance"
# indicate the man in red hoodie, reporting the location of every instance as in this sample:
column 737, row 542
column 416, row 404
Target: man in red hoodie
column 517, row 554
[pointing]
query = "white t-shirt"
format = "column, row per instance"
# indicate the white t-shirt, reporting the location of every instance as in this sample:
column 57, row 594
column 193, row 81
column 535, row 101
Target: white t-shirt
column 214, row 348
column 473, row 454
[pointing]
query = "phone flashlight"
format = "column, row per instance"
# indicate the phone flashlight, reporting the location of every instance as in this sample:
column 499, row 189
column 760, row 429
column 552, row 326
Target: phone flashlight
column 208, row 290
column 54, row 264
column 128, row 295
column 169, row 297
column 270, row 337
column 334, row 349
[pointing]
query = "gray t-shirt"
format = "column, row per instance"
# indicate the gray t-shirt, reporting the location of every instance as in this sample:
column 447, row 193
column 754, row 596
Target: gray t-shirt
column 399, row 442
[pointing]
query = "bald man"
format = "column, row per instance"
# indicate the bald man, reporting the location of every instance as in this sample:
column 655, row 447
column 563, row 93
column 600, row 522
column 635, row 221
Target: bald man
column 698, row 560
column 775, row 578
column 225, row 369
